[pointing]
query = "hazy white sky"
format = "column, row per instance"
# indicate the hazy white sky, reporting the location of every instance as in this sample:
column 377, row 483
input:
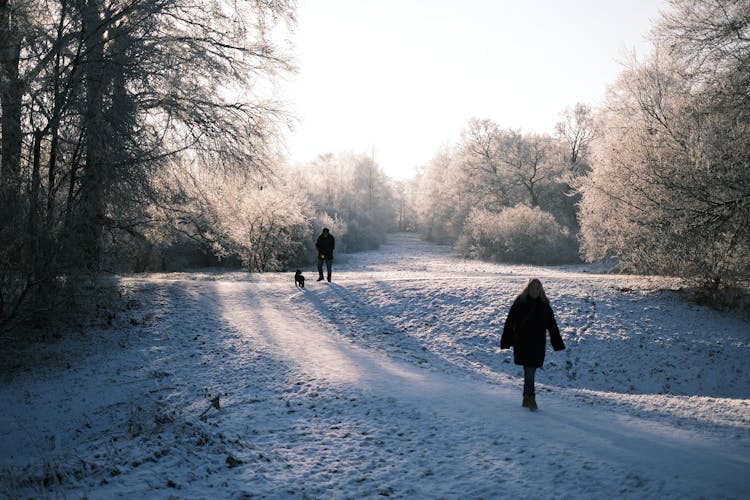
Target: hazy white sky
column 401, row 77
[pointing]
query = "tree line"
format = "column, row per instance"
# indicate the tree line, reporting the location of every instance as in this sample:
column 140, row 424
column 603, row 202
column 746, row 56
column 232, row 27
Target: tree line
column 138, row 135
column 506, row 195
column 271, row 222
column 656, row 178
column 110, row 109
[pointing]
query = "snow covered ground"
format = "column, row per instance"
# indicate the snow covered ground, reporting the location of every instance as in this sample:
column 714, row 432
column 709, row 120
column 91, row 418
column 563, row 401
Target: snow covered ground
column 386, row 382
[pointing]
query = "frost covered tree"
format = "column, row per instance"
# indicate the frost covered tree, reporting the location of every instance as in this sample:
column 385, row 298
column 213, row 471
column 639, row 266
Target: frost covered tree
column 532, row 163
column 98, row 97
column 483, row 156
column 405, row 192
column 576, row 131
column 353, row 190
column 491, row 169
column 262, row 222
column 440, row 202
column 670, row 187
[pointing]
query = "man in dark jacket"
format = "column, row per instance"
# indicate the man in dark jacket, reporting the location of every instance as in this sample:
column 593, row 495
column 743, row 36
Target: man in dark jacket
column 325, row 245
column 529, row 319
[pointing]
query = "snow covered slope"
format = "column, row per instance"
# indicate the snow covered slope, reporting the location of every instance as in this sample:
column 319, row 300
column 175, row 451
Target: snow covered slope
column 386, row 382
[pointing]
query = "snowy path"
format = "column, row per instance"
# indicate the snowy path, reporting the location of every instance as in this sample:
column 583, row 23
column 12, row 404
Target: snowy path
column 644, row 458
column 387, row 382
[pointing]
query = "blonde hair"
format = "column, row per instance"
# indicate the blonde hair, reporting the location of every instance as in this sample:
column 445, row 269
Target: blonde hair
column 524, row 295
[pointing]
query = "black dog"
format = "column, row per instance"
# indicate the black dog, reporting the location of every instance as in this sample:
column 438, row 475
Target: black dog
column 299, row 280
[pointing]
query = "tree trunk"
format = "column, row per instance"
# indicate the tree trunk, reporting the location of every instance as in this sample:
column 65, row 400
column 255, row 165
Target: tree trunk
column 10, row 124
column 89, row 218
column 32, row 234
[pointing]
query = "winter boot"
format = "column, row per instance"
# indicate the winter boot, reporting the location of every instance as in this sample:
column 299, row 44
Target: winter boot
column 532, row 403
column 525, row 403
column 320, row 278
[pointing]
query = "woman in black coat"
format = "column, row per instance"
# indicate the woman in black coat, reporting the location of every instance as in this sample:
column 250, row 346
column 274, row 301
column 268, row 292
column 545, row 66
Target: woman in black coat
column 529, row 319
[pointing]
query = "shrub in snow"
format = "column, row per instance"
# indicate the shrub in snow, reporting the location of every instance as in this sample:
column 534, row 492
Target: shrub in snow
column 519, row 235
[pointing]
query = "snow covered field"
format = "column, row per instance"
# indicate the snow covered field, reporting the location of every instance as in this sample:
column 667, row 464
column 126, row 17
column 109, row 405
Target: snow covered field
column 386, row 382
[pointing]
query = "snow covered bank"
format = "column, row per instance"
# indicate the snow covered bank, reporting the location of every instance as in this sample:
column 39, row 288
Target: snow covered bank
column 386, row 382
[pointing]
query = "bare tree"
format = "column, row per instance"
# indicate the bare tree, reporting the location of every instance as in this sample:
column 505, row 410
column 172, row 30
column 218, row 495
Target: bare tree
column 576, row 130
column 530, row 161
column 487, row 181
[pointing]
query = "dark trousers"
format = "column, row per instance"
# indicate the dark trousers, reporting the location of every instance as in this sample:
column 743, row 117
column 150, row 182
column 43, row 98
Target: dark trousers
column 528, row 380
column 328, row 267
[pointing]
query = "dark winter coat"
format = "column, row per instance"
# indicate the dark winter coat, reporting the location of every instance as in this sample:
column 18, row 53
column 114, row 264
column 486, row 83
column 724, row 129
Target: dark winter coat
column 526, row 331
column 325, row 245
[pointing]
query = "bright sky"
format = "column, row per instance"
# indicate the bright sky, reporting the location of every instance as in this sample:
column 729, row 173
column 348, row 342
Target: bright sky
column 399, row 78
